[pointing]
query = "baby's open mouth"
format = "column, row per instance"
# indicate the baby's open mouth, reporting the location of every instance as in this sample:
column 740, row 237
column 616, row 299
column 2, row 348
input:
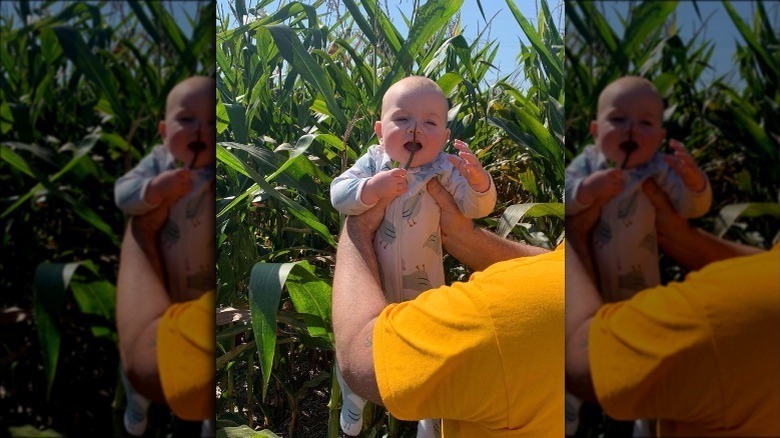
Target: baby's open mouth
column 628, row 147
column 412, row 147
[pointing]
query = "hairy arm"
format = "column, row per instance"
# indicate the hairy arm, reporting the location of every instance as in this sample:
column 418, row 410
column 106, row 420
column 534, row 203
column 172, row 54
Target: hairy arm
column 582, row 300
column 691, row 247
column 475, row 247
column 357, row 301
column 140, row 303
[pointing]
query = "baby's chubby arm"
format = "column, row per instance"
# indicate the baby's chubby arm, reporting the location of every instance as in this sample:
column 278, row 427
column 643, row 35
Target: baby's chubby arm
column 683, row 165
column 687, row 185
column 601, row 185
column 469, row 183
column 169, row 185
column 469, row 166
column 146, row 186
column 587, row 182
column 361, row 186
column 385, row 184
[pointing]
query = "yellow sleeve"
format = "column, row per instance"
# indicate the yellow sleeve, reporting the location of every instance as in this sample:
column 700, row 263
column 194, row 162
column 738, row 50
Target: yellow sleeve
column 701, row 354
column 487, row 354
column 185, row 354
column 638, row 347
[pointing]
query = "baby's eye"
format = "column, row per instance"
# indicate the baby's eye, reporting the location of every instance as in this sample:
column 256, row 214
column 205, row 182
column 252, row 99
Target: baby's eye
column 430, row 122
column 616, row 119
column 185, row 119
column 647, row 122
column 400, row 119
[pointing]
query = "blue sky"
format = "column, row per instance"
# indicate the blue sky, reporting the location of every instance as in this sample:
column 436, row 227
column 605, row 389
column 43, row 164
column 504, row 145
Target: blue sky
column 503, row 26
column 715, row 25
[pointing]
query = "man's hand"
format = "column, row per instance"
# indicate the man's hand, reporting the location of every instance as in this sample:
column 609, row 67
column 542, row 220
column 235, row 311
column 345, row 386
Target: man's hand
column 385, row 184
column 683, row 165
column 169, row 186
column 453, row 222
column 146, row 231
column 688, row 246
column 600, row 186
column 474, row 247
column 669, row 225
column 469, row 166
column 369, row 221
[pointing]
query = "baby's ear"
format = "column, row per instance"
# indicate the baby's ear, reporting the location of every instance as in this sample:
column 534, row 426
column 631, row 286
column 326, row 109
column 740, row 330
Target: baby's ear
column 378, row 129
column 594, row 129
column 161, row 128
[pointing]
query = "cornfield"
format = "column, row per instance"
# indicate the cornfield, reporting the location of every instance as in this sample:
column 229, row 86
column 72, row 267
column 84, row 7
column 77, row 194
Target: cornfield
column 83, row 87
column 297, row 100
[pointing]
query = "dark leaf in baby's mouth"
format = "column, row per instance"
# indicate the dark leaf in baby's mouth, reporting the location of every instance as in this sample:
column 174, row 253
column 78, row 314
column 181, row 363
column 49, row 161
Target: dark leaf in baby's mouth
column 628, row 147
column 196, row 146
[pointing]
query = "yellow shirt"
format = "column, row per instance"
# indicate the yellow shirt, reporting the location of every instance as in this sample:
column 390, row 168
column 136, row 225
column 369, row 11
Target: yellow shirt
column 485, row 356
column 185, row 354
column 702, row 356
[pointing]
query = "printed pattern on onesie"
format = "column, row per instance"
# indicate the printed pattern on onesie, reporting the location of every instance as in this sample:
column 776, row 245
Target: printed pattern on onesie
column 188, row 243
column 624, row 240
column 408, row 242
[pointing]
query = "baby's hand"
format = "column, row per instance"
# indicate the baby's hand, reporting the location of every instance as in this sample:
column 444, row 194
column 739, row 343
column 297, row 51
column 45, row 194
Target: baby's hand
column 468, row 165
column 683, row 165
column 385, row 184
column 169, row 185
column 602, row 184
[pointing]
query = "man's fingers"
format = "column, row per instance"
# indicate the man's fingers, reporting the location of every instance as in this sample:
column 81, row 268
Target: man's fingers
column 657, row 195
column 441, row 195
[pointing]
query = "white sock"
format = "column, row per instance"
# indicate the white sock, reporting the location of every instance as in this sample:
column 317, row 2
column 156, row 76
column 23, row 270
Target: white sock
column 207, row 429
column 572, row 413
column 136, row 408
column 351, row 418
column 429, row 428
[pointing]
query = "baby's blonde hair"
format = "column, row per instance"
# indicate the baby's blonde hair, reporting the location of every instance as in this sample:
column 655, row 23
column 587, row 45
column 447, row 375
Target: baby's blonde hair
column 626, row 83
column 413, row 83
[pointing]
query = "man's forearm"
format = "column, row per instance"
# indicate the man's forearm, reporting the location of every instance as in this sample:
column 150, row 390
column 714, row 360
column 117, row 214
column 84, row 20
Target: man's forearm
column 478, row 248
column 582, row 303
column 141, row 300
column 357, row 302
column 694, row 248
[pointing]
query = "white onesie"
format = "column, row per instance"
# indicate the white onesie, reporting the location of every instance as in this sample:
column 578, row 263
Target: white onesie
column 624, row 240
column 188, row 242
column 408, row 243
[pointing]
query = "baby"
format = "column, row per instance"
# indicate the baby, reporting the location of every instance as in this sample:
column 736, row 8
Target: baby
column 628, row 132
column 181, row 170
column 412, row 133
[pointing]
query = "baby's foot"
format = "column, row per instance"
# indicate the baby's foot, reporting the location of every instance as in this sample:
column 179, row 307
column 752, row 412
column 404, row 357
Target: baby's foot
column 428, row 428
column 572, row 416
column 136, row 409
column 351, row 418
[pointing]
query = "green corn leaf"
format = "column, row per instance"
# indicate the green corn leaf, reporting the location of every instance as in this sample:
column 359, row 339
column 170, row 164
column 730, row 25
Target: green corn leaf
column 311, row 295
column 431, row 17
column 50, row 284
column 293, row 52
column 265, row 289
column 514, row 213
column 77, row 51
column 765, row 59
column 295, row 209
column 553, row 66
column 729, row 214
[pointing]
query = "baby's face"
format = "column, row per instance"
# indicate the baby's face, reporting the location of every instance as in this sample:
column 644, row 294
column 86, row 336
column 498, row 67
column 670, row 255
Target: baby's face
column 628, row 113
column 413, row 115
column 190, row 119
